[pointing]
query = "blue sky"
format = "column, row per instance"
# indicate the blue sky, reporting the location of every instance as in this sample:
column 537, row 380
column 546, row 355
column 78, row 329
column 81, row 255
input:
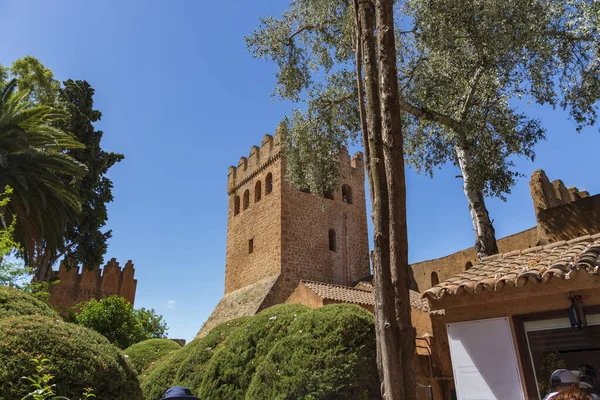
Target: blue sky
column 183, row 99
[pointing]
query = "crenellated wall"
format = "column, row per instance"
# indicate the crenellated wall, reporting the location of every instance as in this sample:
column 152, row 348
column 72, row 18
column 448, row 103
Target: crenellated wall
column 278, row 235
column 75, row 287
column 562, row 213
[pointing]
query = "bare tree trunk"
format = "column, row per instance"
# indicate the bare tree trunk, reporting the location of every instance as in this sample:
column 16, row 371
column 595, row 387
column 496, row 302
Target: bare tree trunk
column 393, row 141
column 43, row 272
column 386, row 322
column 485, row 235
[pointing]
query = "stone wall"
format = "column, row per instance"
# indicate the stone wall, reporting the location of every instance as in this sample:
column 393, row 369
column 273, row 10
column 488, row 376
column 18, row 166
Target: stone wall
column 75, row 287
column 259, row 222
column 453, row 264
column 306, row 224
column 285, row 232
column 562, row 213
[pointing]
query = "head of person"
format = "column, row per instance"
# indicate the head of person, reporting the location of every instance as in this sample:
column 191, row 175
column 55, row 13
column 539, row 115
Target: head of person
column 563, row 379
column 179, row 393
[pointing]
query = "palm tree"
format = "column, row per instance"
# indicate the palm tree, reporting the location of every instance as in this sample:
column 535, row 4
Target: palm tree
column 44, row 178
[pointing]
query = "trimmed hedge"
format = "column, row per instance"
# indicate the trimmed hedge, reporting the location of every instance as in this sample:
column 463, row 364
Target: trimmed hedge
column 80, row 358
column 14, row 302
column 229, row 372
column 143, row 354
column 183, row 367
column 191, row 370
column 288, row 351
column 330, row 353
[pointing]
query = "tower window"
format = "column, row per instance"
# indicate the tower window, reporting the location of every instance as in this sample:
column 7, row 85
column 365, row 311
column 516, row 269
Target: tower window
column 257, row 191
column 236, row 205
column 269, row 183
column 246, row 199
column 331, row 240
column 468, row 265
column 347, row 194
column 328, row 195
column 434, row 279
column 250, row 246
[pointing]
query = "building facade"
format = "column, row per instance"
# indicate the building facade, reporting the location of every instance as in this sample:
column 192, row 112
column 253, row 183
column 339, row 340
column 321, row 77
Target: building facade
column 278, row 235
column 75, row 287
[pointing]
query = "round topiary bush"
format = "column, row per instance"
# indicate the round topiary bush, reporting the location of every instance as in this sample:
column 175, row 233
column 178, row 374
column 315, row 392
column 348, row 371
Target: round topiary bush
column 14, row 302
column 191, row 370
column 141, row 355
column 184, row 366
column 229, row 372
column 79, row 358
column 329, row 353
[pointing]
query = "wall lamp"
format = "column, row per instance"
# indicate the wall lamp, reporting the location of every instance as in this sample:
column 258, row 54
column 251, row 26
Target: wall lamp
column 576, row 312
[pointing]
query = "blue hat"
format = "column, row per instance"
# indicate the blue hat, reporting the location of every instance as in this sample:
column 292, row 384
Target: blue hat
column 179, row 392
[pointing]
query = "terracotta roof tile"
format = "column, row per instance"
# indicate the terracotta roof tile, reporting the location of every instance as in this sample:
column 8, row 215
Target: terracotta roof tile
column 354, row 295
column 344, row 294
column 538, row 264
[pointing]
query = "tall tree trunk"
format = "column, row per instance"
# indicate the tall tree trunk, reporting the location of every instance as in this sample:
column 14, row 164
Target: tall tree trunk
column 386, row 322
column 393, row 142
column 43, row 272
column 485, row 235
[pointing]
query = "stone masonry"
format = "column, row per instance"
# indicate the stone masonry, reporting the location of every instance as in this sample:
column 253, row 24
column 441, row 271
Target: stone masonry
column 562, row 213
column 75, row 287
column 278, row 235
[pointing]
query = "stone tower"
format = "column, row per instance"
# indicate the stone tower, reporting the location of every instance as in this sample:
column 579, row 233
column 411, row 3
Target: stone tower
column 278, row 235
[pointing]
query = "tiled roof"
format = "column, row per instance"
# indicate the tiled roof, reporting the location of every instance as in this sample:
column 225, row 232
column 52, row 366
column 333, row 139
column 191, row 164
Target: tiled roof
column 364, row 295
column 537, row 264
column 344, row 294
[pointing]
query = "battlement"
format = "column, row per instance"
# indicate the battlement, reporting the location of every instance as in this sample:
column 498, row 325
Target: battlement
column 268, row 152
column 258, row 159
column 562, row 213
column 75, row 286
column 546, row 194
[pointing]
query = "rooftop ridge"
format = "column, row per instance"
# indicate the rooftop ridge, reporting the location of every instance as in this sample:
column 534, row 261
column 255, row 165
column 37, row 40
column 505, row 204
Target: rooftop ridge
column 334, row 285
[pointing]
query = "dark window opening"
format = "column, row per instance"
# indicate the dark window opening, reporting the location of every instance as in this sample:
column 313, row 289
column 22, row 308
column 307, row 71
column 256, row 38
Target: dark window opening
column 434, row 279
column 305, row 190
column 236, row 205
column 468, row 265
column 257, row 191
column 250, row 246
column 347, row 194
column 246, row 199
column 331, row 240
column 269, row 183
column 328, row 195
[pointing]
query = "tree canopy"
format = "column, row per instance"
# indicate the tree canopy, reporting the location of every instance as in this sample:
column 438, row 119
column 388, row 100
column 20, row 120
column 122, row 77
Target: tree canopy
column 463, row 66
column 83, row 239
column 117, row 320
column 34, row 162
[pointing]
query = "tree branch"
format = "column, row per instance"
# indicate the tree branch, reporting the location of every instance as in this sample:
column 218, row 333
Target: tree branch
column 471, row 94
column 430, row 115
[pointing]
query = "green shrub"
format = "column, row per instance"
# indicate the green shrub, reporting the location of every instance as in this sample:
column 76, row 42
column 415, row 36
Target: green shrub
column 141, row 355
column 183, row 366
column 14, row 302
column 113, row 317
column 229, row 372
column 191, row 370
column 157, row 378
column 329, row 353
column 80, row 358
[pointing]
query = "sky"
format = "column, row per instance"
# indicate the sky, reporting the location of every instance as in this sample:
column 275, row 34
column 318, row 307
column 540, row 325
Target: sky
column 182, row 99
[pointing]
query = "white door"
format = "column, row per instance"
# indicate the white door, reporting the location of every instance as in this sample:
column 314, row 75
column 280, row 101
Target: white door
column 484, row 360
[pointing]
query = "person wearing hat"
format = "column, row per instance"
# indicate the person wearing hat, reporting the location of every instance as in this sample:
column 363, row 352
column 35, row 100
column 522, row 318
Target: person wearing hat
column 179, row 393
column 564, row 382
